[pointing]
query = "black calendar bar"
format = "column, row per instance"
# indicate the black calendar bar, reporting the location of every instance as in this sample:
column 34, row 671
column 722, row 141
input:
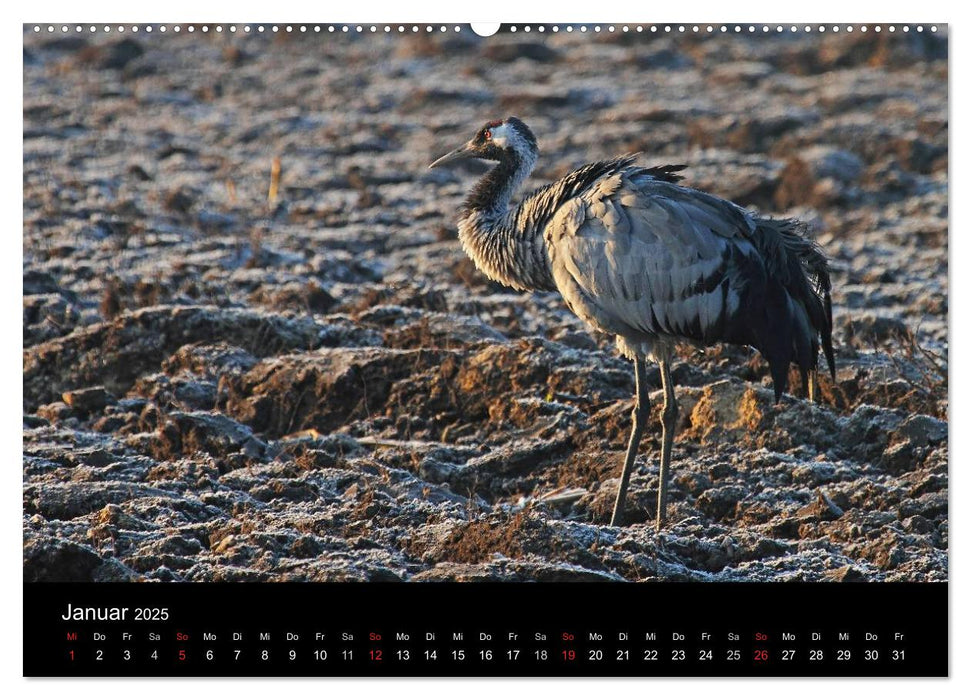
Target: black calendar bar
column 484, row 629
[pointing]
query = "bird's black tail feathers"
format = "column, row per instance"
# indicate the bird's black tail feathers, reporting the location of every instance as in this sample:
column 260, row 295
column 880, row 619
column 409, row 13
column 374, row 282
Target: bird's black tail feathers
column 798, row 307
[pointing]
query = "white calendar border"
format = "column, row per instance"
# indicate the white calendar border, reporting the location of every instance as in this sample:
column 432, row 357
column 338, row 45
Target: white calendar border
column 452, row 12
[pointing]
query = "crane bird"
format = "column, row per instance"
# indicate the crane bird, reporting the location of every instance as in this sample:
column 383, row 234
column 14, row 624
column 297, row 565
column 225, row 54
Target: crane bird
column 636, row 255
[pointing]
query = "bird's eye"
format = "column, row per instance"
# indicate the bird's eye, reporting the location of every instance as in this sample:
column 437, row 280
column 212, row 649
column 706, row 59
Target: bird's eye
column 488, row 135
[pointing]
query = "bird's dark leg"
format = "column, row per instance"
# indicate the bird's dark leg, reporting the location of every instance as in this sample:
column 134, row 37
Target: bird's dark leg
column 669, row 418
column 642, row 409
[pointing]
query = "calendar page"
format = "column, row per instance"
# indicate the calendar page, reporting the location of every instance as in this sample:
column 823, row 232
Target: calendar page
column 606, row 349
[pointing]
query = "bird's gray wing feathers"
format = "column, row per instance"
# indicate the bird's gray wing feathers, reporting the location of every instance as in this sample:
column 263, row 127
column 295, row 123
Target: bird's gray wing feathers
column 644, row 258
column 649, row 257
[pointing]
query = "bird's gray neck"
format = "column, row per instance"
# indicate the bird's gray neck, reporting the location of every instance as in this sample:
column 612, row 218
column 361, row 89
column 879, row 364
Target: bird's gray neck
column 501, row 244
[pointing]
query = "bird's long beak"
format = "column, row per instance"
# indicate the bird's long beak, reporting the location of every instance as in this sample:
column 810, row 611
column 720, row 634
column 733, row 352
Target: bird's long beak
column 457, row 154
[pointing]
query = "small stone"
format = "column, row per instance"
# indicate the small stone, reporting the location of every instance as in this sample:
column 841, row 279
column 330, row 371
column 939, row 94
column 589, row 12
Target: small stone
column 88, row 400
column 720, row 502
column 823, row 508
column 923, row 430
column 918, row 524
column 693, row 482
column 900, row 457
column 224, row 544
column 846, row 574
column 214, row 433
column 55, row 412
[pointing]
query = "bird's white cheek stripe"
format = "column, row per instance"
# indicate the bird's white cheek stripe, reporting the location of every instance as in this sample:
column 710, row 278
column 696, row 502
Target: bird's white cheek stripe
column 500, row 135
